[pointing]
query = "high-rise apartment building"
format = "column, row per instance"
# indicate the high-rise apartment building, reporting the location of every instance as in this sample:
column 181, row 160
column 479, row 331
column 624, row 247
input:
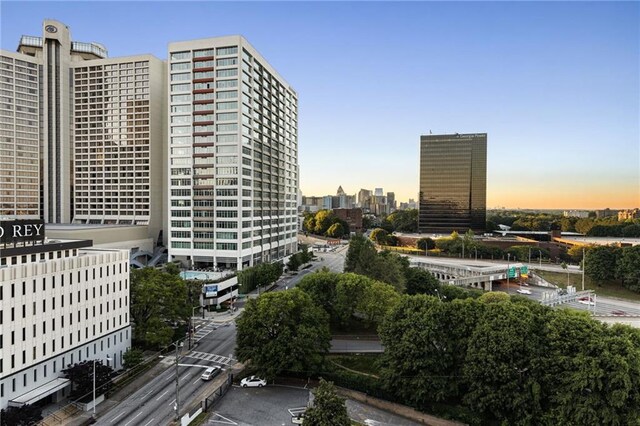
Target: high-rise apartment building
column 83, row 135
column 233, row 155
column 453, row 182
column 20, row 133
column 118, row 141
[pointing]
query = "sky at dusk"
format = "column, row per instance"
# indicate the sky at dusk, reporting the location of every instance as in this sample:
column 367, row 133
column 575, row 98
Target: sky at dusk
column 554, row 85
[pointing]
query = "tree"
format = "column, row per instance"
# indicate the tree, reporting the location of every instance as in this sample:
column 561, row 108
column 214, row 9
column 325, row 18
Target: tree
column 404, row 220
column 592, row 371
column 360, row 255
column 321, row 286
column 260, row 275
column 390, row 268
column 323, row 220
column 328, row 408
column 81, row 377
column 425, row 344
column 132, row 357
column 500, row 365
column 628, row 268
column 157, row 298
column 376, row 301
column 600, row 262
column 421, row 281
column 172, row 268
column 283, row 331
column 309, row 223
column 26, row 415
column 379, row 236
column 294, row 262
column 336, row 230
column 425, row 244
column 350, row 289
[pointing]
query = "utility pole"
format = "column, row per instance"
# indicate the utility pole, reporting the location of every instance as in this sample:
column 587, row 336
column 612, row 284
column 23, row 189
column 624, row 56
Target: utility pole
column 177, row 407
column 583, row 265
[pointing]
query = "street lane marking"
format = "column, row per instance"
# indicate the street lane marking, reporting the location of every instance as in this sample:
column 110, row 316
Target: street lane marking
column 148, row 423
column 127, row 424
column 165, row 392
column 114, row 419
column 228, row 421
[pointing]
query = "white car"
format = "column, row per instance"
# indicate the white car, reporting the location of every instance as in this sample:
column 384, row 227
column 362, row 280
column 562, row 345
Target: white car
column 210, row 373
column 253, row 382
column 586, row 301
column 524, row 291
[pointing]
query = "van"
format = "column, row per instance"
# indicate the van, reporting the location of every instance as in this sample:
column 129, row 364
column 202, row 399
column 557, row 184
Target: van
column 210, row 373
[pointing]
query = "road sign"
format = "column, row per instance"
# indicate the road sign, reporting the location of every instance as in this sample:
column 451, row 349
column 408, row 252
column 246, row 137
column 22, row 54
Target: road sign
column 511, row 272
column 524, row 270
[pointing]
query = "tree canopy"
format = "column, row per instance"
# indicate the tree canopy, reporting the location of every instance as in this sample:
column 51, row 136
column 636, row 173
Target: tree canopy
column 283, row 331
column 328, row 408
column 512, row 361
column 26, row 415
column 260, row 275
column 81, row 377
column 157, row 299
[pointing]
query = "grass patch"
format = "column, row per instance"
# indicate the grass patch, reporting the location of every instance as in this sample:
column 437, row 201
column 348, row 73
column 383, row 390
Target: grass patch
column 609, row 288
column 365, row 363
column 202, row 417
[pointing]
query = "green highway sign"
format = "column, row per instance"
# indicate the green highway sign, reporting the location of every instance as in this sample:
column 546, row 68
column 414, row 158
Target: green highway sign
column 511, row 272
column 524, row 270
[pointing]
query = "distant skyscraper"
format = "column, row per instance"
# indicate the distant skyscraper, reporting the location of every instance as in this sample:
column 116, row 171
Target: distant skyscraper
column 378, row 192
column 453, row 182
column 233, row 159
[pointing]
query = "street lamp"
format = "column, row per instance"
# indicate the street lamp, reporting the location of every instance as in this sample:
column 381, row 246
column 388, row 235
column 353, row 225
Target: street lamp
column 438, row 293
column 94, row 385
column 508, row 258
column 191, row 322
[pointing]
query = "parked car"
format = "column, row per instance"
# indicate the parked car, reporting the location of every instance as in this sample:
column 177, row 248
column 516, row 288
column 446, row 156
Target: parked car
column 210, row 373
column 253, row 382
column 524, row 291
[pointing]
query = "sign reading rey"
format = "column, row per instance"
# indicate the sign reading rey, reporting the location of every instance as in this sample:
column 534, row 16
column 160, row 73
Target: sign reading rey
column 16, row 231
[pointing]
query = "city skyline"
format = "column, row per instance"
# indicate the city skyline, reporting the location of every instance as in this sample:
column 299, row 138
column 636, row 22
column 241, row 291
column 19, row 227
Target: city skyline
column 555, row 86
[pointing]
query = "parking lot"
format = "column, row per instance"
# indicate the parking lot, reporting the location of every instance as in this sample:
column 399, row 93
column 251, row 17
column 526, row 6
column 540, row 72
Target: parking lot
column 270, row 405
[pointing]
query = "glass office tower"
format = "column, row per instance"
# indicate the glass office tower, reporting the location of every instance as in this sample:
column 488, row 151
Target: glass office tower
column 453, row 183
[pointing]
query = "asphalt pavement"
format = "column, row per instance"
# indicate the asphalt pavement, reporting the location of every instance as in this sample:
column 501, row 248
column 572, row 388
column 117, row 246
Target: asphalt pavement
column 272, row 406
column 153, row 403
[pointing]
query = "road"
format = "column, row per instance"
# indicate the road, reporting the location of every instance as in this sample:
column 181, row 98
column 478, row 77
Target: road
column 333, row 260
column 604, row 306
column 153, row 404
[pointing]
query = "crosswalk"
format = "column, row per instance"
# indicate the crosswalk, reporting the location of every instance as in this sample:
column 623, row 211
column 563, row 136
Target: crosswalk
column 204, row 330
column 219, row 359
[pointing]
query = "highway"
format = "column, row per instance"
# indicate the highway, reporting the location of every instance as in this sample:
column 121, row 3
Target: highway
column 153, row 404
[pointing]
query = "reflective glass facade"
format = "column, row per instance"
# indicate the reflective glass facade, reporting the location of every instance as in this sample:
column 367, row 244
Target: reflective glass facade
column 453, row 183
